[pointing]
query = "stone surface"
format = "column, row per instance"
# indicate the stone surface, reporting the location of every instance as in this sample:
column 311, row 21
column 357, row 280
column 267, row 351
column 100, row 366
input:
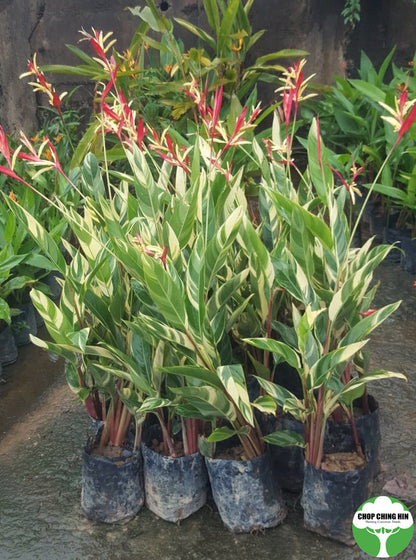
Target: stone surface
column 45, row 26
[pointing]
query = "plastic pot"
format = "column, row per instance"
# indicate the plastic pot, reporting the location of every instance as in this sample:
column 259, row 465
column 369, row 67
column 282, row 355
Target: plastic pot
column 112, row 488
column 246, row 493
column 24, row 324
column 288, row 462
column 393, row 235
column 175, row 487
column 8, row 348
column 287, row 376
column 408, row 260
column 55, row 287
column 339, row 435
column 330, row 500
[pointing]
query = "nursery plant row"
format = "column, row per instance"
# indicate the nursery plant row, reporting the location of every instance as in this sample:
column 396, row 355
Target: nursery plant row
column 210, row 277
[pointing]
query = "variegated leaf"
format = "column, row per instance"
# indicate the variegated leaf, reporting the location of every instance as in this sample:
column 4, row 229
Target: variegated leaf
column 260, row 266
column 40, row 236
column 211, row 402
column 195, row 274
column 232, row 377
column 325, row 366
column 219, row 246
column 285, row 438
column 167, row 291
column 55, row 321
column 277, row 347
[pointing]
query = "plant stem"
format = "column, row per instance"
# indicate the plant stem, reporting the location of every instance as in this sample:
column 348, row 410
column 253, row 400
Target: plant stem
column 185, row 435
column 167, row 440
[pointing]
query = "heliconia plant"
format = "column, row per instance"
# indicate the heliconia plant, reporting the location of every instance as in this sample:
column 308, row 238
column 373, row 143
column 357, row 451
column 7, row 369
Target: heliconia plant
column 176, row 223
column 329, row 283
column 172, row 225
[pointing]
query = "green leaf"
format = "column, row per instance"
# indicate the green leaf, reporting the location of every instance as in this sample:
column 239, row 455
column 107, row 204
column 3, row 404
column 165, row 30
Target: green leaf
column 147, row 325
column 219, row 246
column 40, row 236
column 265, row 404
column 91, row 173
column 198, row 32
column 66, row 351
column 222, row 294
column 393, row 192
column 221, row 434
column 369, row 90
column 100, row 310
column 195, row 277
column 194, row 372
column 226, row 27
column 260, row 267
column 276, row 347
column 212, row 13
column 58, row 326
column 152, row 17
column 324, row 368
column 316, row 225
column 4, row 311
column 167, row 291
column 233, row 379
column 347, row 394
column 141, row 353
column 153, row 403
column 367, row 324
column 209, row 401
column 284, row 53
column 85, row 144
column 285, row 438
column 320, row 173
column 279, row 394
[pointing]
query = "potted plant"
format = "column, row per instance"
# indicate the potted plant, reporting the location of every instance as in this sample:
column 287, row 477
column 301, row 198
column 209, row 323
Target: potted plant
column 171, row 238
column 96, row 300
column 329, row 284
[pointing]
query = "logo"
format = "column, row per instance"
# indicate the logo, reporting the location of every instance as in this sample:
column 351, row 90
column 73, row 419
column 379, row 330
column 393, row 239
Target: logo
column 382, row 527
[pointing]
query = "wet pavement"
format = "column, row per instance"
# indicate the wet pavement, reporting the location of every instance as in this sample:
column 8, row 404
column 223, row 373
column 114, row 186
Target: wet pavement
column 42, row 430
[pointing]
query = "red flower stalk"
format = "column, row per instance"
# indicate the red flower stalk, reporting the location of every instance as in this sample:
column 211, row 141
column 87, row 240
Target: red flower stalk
column 367, row 313
column 340, row 177
column 141, row 132
column 97, row 45
column 216, row 110
column 151, row 253
column 287, row 106
column 268, row 143
column 10, row 173
column 98, row 42
column 4, row 146
column 407, row 123
column 42, row 85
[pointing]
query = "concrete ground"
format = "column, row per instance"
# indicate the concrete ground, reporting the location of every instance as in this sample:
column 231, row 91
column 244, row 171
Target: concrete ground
column 42, row 430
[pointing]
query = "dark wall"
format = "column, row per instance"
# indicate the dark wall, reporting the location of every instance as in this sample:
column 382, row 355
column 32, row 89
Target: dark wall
column 45, row 26
column 384, row 24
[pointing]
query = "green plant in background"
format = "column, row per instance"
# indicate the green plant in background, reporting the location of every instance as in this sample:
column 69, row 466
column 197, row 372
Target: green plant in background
column 353, row 121
column 352, row 12
column 152, row 72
